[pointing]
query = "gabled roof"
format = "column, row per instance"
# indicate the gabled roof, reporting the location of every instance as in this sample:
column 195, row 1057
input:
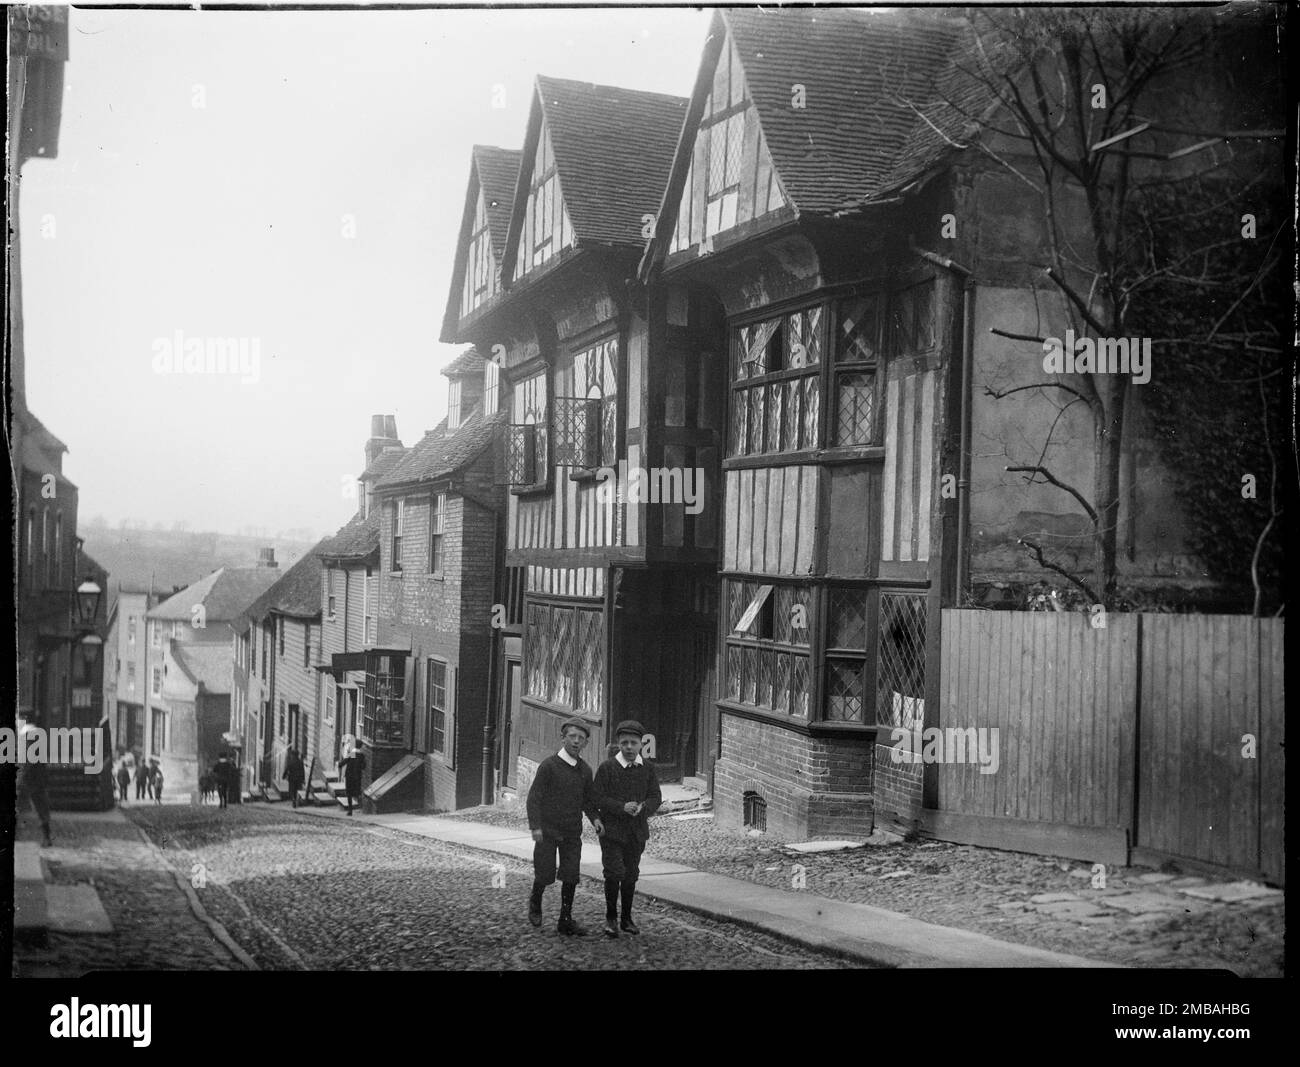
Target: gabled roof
column 225, row 594
column 613, row 149
column 357, row 539
column 297, row 593
column 207, row 664
column 437, row 456
column 469, row 362
column 493, row 173
column 865, row 74
column 873, row 82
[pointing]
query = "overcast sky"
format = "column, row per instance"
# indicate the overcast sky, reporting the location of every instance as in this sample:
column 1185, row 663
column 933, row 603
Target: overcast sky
column 210, row 165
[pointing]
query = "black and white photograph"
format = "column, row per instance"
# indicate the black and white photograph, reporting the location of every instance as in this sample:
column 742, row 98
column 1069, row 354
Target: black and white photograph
column 648, row 489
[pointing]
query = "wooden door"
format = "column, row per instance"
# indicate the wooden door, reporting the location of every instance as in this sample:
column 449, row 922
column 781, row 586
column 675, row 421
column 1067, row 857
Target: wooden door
column 507, row 757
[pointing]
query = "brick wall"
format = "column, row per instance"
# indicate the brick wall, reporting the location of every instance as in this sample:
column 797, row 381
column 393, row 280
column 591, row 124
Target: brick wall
column 897, row 788
column 813, row 786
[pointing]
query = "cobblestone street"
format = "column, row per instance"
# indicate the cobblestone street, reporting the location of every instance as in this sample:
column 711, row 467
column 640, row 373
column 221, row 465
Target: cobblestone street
column 297, row 892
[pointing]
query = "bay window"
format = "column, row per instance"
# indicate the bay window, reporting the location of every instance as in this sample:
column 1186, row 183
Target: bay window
column 564, row 649
column 384, row 699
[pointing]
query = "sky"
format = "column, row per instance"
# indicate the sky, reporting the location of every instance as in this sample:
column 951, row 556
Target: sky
column 293, row 179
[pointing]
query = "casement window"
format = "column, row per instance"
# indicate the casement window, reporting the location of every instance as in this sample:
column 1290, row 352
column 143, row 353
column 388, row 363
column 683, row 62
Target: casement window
column 178, row 628
column 306, row 645
column 437, row 519
column 370, row 596
column 266, row 648
column 859, row 344
column 491, row 387
column 766, row 658
column 546, row 228
column 57, row 561
column 564, row 656
column 586, row 421
column 130, row 629
column 397, row 515
column 384, row 699
column 480, row 265
column 282, row 625
column 280, row 724
column 453, row 406
column 527, row 452
column 723, row 129
column 158, row 739
column 157, row 681
column 776, row 384
column 437, row 732
column 900, row 671
column 155, row 634
column 331, row 602
column 130, row 676
column 329, row 705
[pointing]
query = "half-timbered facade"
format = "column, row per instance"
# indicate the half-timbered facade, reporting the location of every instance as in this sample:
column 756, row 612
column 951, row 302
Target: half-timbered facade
column 834, row 360
column 613, row 440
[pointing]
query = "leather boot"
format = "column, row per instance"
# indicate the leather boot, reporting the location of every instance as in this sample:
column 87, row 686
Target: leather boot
column 535, row 904
column 611, row 907
column 628, row 892
column 568, row 924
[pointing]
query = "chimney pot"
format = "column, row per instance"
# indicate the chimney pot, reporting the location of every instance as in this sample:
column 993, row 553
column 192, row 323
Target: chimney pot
column 377, row 425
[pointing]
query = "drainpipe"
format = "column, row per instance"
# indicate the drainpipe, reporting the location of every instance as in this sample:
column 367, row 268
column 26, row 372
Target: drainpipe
column 964, row 422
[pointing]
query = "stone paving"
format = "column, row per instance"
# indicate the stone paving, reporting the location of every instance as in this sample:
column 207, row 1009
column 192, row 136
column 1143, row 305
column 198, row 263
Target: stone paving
column 299, row 892
column 1138, row 917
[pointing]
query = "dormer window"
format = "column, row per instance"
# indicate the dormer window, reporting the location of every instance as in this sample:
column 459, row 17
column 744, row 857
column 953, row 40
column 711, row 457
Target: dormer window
column 480, row 266
column 491, row 387
column 546, row 227
column 453, row 406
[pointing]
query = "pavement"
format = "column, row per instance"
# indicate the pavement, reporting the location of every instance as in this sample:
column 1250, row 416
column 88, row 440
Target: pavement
column 861, row 932
column 41, row 905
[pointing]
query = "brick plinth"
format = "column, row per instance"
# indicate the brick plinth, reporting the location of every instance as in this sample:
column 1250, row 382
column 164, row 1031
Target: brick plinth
column 897, row 788
column 813, row 786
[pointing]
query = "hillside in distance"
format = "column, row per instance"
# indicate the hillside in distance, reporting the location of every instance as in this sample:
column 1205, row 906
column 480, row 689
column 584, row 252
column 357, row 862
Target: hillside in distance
column 137, row 557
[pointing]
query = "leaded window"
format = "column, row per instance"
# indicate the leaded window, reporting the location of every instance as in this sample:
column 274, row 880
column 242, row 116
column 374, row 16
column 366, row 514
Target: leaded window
column 846, row 654
column 775, row 387
column 564, row 656
column 586, row 421
column 767, row 646
column 723, row 129
column 900, row 686
column 480, row 264
column 546, row 229
column 526, row 443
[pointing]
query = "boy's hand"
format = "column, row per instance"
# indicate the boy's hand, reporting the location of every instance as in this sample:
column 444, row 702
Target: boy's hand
column 631, row 807
column 537, row 835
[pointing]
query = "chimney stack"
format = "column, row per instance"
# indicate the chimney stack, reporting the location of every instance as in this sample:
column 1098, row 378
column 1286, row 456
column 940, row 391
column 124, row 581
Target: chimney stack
column 383, row 434
column 266, row 557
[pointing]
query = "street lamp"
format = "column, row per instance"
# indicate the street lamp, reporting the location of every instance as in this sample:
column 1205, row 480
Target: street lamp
column 88, row 594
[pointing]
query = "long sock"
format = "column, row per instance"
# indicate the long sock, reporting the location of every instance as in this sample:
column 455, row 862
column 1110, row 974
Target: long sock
column 538, row 890
column 567, row 889
column 629, row 892
column 611, row 898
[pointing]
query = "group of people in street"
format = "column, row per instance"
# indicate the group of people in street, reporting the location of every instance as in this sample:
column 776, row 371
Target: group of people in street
column 147, row 774
column 618, row 799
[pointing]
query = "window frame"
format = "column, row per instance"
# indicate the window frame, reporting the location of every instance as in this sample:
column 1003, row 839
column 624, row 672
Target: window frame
column 535, row 437
column 397, row 517
column 437, row 533
column 380, row 693
column 596, row 442
column 768, row 646
column 431, row 710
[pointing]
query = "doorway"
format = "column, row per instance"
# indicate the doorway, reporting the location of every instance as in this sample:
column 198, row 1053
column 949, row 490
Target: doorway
column 506, row 761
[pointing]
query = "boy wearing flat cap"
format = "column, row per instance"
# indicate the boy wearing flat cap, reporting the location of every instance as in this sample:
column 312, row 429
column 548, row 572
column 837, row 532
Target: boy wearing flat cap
column 627, row 794
column 558, row 798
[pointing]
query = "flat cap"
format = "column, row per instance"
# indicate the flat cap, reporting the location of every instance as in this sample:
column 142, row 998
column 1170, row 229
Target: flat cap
column 580, row 724
column 629, row 726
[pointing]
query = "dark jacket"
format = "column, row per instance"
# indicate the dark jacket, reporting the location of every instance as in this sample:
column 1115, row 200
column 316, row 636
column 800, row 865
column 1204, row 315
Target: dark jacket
column 559, row 797
column 352, row 768
column 293, row 770
column 615, row 785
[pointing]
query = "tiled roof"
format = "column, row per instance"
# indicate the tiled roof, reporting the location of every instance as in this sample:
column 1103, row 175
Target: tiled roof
column 225, row 594
column 613, row 150
column 866, row 74
column 389, row 458
column 209, row 665
column 355, row 540
column 297, row 593
column 498, row 171
column 436, row 455
column 468, row 362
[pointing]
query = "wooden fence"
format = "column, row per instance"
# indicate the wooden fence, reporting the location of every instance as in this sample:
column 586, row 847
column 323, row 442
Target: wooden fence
column 1156, row 734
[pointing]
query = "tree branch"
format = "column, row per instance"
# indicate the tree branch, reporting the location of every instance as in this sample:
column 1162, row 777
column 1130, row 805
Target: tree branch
column 1048, row 476
column 1077, row 301
column 1037, row 385
column 1042, row 562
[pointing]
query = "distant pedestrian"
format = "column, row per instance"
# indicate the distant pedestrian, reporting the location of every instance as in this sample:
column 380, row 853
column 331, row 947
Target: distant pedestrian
column 352, row 765
column 123, row 780
column 223, row 772
column 141, row 779
column 32, row 788
column 558, row 798
column 295, row 773
column 626, row 792
column 157, row 784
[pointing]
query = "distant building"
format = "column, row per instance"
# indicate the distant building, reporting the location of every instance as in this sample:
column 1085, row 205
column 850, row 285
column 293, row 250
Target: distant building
column 126, row 666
